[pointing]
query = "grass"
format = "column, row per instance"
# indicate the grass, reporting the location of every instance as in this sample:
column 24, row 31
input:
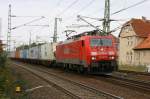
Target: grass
column 3, row 59
column 133, row 68
column 9, row 79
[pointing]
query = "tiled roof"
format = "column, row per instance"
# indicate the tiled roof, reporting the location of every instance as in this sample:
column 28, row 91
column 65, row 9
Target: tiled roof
column 140, row 26
column 144, row 45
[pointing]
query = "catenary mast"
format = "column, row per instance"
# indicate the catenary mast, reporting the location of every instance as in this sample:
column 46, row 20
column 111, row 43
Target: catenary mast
column 9, row 29
column 55, row 30
column 106, row 22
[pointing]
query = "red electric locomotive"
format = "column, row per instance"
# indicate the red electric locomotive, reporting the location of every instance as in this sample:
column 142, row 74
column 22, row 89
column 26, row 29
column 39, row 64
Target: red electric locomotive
column 95, row 54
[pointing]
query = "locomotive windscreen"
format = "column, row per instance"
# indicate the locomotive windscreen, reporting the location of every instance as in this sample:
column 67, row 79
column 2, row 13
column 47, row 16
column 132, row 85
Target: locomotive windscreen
column 100, row 42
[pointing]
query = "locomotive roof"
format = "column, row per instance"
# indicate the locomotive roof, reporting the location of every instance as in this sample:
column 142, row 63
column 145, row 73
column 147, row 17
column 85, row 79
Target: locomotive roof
column 82, row 38
column 88, row 33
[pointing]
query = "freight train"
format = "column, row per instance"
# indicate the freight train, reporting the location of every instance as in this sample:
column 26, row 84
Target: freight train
column 83, row 52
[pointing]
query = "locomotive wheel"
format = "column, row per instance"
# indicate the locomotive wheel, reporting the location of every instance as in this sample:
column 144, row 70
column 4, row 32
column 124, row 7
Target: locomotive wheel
column 80, row 70
column 66, row 67
column 115, row 65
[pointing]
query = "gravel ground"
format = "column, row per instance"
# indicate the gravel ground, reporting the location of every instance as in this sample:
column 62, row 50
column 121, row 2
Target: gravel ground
column 143, row 77
column 43, row 92
column 107, row 87
column 134, row 76
column 103, row 85
column 100, row 84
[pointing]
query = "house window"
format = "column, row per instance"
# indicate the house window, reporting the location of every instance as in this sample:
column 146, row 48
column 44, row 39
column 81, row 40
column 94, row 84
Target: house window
column 138, row 55
column 130, row 56
column 129, row 41
column 144, row 54
column 127, row 56
column 127, row 29
column 45, row 53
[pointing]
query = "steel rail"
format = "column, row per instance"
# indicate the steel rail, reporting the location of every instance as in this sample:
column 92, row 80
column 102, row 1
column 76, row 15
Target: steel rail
column 134, row 72
column 91, row 89
column 51, row 83
column 132, row 83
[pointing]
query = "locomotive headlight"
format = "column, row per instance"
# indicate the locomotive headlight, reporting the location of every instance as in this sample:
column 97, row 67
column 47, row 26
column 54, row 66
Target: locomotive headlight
column 102, row 49
column 93, row 53
column 111, row 53
column 112, row 57
column 93, row 58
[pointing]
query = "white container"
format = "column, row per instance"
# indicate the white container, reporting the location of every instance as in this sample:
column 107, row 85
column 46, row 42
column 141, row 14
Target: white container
column 47, row 51
column 21, row 53
column 33, row 52
column 12, row 54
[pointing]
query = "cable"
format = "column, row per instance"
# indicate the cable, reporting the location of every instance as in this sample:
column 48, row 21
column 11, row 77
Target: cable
column 136, row 4
column 66, row 9
column 27, row 23
column 58, row 3
column 83, row 8
column 125, row 2
column 102, row 8
column 25, row 16
column 86, row 6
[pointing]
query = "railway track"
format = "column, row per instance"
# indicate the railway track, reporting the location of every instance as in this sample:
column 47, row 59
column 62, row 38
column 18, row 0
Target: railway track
column 134, row 72
column 36, row 73
column 74, row 89
column 140, row 85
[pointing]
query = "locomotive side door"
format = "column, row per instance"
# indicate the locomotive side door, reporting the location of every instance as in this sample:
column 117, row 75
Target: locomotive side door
column 83, row 54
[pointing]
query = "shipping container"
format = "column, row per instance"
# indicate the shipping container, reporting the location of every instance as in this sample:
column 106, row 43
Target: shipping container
column 47, row 51
column 24, row 53
column 11, row 54
column 34, row 52
column 17, row 53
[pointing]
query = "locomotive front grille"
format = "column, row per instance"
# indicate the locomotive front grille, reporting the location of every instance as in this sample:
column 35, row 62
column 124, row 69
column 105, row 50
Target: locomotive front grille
column 104, row 66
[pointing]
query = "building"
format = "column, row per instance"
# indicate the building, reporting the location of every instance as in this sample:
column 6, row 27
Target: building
column 134, row 43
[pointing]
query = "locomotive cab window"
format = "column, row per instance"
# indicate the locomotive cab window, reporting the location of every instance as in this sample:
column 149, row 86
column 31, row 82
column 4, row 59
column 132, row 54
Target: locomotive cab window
column 100, row 42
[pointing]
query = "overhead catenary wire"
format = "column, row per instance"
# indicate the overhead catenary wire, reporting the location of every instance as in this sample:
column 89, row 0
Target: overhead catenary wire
column 67, row 8
column 82, row 9
column 125, row 8
column 86, row 6
column 25, row 16
column 27, row 23
column 102, row 8
column 59, row 2
column 131, row 6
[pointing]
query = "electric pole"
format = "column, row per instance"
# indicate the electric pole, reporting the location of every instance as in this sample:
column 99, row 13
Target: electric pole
column 9, row 30
column 106, row 22
column 55, row 29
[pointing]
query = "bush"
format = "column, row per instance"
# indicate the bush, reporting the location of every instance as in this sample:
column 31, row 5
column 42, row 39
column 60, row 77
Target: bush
column 3, row 59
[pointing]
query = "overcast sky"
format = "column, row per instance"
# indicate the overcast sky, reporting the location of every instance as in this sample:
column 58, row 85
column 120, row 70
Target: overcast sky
column 57, row 8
